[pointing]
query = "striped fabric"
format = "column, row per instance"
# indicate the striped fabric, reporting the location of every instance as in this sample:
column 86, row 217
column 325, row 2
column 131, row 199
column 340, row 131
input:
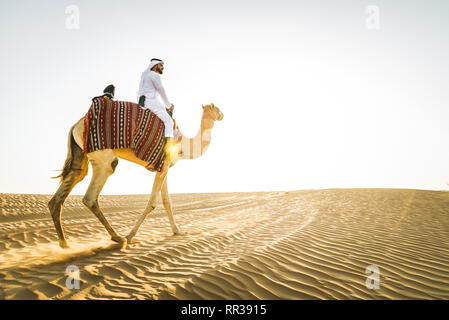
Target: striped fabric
column 119, row 124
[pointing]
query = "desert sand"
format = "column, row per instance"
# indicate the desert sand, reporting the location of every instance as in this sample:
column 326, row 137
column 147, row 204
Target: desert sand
column 312, row 244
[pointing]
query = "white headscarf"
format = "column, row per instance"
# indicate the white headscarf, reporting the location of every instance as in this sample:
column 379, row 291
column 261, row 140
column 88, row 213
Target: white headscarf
column 154, row 62
column 148, row 70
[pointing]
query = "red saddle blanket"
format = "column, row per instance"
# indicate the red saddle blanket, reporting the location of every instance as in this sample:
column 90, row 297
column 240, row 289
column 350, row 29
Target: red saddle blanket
column 120, row 124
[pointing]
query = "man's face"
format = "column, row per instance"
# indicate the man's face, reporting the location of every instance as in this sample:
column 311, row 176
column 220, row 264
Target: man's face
column 160, row 68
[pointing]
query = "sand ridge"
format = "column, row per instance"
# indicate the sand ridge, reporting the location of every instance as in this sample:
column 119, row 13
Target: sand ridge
column 312, row 244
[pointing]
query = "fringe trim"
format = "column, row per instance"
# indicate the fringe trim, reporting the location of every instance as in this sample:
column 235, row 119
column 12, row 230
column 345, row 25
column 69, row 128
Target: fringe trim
column 86, row 130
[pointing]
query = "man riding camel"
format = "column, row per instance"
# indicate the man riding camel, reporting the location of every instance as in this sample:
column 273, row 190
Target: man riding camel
column 150, row 90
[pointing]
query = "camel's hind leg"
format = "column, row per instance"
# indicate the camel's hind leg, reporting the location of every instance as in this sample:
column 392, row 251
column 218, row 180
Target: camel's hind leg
column 55, row 204
column 103, row 165
column 75, row 169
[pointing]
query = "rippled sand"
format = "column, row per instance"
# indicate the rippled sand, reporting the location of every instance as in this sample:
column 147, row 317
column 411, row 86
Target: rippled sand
column 268, row 245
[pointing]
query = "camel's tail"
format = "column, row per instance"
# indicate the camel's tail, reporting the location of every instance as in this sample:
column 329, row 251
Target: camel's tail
column 76, row 159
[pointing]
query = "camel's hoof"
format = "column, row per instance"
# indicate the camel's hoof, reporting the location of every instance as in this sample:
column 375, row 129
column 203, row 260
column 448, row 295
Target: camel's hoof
column 120, row 240
column 63, row 244
column 129, row 238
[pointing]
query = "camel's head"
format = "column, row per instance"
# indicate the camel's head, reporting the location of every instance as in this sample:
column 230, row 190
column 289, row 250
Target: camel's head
column 213, row 112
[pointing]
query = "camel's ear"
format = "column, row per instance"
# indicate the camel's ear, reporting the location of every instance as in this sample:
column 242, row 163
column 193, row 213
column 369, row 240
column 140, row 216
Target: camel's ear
column 213, row 106
column 202, row 106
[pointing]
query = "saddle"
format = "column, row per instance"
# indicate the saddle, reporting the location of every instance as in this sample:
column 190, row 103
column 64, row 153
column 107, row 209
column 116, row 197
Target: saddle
column 113, row 124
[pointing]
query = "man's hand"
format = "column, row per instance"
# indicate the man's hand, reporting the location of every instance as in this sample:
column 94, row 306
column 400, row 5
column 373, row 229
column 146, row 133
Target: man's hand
column 171, row 108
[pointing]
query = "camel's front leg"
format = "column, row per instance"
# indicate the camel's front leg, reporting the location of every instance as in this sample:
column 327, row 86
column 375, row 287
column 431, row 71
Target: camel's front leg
column 167, row 205
column 157, row 184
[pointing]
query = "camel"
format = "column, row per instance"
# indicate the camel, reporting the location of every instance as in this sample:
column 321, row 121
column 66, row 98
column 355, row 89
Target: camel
column 104, row 163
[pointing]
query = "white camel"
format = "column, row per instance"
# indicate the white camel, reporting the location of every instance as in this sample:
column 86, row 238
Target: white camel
column 104, row 163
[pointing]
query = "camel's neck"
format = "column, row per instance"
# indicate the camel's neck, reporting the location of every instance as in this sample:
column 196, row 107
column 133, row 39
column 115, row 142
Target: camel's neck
column 195, row 147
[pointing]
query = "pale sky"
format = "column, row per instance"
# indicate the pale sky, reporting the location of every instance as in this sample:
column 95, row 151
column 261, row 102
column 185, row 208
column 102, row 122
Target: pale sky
column 312, row 97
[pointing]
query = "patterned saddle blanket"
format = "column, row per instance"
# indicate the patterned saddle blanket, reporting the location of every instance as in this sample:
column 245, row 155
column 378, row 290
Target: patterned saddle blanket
column 120, row 124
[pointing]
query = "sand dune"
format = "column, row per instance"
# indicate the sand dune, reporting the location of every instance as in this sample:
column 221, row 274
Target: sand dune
column 268, row 245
